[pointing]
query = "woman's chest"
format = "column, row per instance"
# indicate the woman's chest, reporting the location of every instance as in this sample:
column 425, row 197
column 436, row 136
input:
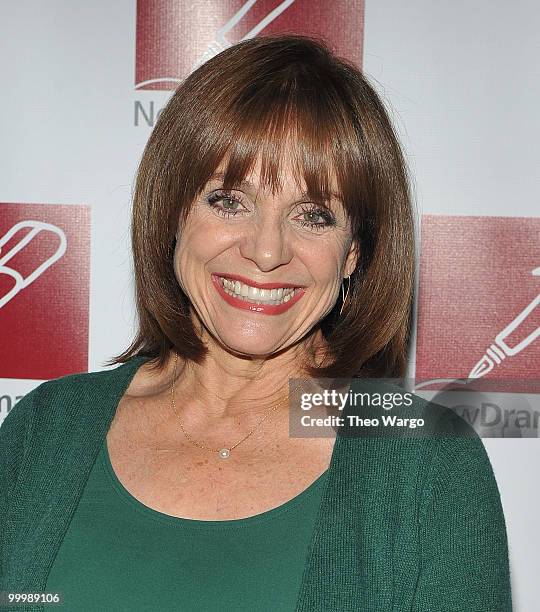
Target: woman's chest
column 197, row 484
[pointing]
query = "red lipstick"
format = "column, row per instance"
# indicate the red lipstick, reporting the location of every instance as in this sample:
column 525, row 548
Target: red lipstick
column 243, row 304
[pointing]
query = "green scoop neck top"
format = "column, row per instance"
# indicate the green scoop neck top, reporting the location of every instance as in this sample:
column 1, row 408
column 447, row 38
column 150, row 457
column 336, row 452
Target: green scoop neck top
column 115, row 544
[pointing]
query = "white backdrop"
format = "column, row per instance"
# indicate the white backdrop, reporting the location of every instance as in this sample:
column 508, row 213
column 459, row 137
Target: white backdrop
column 461, row 80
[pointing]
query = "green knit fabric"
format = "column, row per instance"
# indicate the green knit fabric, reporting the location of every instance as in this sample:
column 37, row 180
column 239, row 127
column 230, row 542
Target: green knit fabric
column 404, row 523
column 142, row 559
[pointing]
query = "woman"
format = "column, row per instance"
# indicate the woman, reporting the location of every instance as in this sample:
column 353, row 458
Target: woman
column 273, row 239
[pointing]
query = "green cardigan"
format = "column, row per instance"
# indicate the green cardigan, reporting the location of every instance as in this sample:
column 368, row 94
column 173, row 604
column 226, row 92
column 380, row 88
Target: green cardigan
column 405, row 524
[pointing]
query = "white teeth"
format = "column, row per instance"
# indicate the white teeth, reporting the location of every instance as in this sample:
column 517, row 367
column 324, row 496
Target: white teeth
column 253, row 294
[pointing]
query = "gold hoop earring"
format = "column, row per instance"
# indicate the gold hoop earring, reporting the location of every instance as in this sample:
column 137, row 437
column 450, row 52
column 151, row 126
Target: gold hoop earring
column 344, row 294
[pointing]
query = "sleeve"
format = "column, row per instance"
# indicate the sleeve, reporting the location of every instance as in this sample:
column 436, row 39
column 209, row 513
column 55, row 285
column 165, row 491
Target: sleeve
column 464, row 565
column 13, row 432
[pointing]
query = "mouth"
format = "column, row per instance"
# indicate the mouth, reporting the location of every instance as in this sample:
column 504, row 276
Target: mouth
column 272, row 300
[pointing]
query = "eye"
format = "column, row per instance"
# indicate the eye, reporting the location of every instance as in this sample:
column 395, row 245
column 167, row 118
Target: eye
column 227, row 204
column 316, row 218
column 230, row 206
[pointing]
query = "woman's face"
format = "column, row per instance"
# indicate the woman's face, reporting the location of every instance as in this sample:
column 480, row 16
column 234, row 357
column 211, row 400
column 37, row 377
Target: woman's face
column 252, row 238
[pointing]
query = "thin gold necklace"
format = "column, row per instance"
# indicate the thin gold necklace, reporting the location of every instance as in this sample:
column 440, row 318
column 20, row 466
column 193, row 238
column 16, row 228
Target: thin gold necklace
column 223, row 453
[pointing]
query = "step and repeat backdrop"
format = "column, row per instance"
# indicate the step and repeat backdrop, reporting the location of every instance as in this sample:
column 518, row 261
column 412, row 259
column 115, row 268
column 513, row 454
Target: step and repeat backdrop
column 83, row 84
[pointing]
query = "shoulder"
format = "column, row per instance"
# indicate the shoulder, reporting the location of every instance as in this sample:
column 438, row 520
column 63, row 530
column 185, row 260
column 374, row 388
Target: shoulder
column 457, row 470
column 425, row 440
column 380, row 397
column 48, row 398
column 56, row 398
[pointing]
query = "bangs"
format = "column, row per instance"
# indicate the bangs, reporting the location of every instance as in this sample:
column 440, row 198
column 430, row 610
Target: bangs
column 303, row 125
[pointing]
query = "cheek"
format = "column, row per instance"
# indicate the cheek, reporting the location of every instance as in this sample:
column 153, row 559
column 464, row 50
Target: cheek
column 203, row 236
column 196, row 246
column 194, row 242
column 324, row 261
column 185, row 256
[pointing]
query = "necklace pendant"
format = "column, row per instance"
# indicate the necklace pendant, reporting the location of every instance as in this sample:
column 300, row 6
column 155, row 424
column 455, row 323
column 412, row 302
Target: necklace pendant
column 224, row 453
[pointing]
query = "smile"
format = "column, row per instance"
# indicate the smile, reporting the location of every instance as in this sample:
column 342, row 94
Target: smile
column 267, row 301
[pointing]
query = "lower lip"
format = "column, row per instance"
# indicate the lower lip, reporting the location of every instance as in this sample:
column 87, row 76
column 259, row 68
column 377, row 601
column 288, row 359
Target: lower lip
column 269, row 309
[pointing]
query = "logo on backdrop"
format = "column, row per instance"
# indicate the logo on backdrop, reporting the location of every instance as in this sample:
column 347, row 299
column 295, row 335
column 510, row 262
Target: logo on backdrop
column 174, row 38
column 44, row 290
column 479, row 298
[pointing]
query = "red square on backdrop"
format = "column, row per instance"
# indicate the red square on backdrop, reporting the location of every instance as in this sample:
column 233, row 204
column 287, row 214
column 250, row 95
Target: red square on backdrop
column 173, row 37
column 479, row 298
column 44, row 290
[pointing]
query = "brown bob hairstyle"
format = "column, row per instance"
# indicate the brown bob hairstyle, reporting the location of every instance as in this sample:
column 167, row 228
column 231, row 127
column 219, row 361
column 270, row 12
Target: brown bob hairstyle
column 248, row 101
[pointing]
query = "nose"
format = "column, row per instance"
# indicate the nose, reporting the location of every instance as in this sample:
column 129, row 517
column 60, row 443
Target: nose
column 267, row 244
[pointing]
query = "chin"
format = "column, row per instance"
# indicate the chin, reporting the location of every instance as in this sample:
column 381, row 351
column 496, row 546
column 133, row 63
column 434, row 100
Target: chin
column 249, row 349
column 252, row 346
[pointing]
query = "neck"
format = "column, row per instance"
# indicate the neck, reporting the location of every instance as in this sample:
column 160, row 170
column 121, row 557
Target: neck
column 229, row 385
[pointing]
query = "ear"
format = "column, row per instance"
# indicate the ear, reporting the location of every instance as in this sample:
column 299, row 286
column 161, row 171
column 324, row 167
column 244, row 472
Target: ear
column 352, row 258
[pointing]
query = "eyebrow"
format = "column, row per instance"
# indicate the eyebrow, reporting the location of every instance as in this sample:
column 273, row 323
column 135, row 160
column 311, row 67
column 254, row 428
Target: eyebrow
column 245, row 184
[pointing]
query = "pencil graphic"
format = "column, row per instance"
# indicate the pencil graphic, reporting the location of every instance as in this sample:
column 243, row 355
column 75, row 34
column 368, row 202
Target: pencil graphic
column 499, row 350
column 20, row 281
